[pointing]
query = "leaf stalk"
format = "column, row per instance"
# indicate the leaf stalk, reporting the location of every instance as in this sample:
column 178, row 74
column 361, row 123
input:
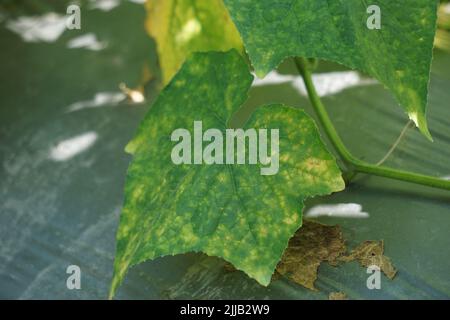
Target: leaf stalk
column 353, row 163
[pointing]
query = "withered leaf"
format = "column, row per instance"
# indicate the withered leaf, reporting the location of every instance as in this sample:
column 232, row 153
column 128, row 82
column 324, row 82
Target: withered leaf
column 370, row 253
column 312, row 244
column 337, row 296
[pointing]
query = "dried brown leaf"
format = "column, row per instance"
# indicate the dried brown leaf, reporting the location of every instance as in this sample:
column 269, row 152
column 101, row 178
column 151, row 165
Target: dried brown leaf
column 337, row 296
column 312, row 244
column 370, row 253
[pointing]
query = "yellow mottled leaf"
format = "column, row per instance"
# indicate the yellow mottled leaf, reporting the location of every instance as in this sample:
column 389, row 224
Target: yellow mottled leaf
column 180, row 27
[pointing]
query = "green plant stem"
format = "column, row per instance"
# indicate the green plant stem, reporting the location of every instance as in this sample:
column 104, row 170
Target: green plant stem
column 352, row 162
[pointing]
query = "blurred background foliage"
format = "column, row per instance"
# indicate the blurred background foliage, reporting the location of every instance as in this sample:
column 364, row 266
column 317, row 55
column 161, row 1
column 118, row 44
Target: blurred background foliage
column 443, row 32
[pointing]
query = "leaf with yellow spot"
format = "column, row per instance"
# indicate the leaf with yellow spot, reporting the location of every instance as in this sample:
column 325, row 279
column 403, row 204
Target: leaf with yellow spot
column 229, row 211
column 184, row 26
column 398, row 54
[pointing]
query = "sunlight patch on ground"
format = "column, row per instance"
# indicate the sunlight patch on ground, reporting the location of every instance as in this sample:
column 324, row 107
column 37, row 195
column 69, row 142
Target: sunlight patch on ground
column 104, row 5
column 100, row 99
column 326, row 83
column 341, row 210
column 87, row 41
column 108, row 5
column 46, row 28
column 69, row 148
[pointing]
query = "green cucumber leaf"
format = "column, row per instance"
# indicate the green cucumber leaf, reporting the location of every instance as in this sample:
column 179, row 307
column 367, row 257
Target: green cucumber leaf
column 229, row 211
column 398, row 55
column 180, row 27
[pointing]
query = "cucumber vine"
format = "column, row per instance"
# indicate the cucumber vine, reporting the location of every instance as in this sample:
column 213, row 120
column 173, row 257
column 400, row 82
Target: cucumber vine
column 228, row 208
column 353, row 164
